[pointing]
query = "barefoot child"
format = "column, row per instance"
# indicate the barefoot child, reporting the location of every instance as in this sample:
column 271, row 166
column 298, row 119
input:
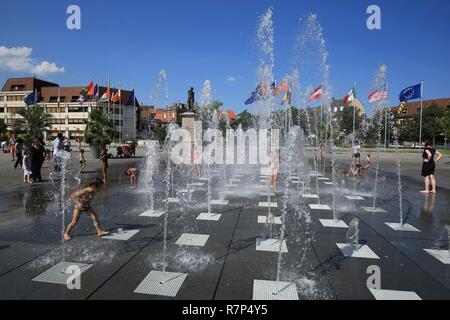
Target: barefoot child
column 26, row 166
column 82, row 202
column 133, row 174
column 82, row 160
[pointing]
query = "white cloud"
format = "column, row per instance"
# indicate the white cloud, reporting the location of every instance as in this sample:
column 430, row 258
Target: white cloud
column 46, row 67
column 231, row 79
column 18, row 59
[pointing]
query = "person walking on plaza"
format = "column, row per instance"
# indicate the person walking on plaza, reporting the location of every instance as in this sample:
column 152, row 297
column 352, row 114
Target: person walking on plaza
column 104, row 160
column 356, row 152
column 37, row 160
column 26, row 166
column 18, row 150
column 430, row 156
column 12, row 147
column 58, row 144
column 82, row 204
column 82, row 160
column 67, row 144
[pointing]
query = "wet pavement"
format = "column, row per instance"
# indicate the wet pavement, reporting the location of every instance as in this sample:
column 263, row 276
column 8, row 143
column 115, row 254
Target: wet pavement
column 226, row 267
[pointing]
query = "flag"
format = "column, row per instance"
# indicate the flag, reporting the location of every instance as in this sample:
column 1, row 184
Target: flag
column 287, row 97
column 282, row 87
column 80, row 99
column 256, row 95
column 84, row 94
column 105, row 97
column 411, row 93
column 90, row 89
column 117, row 96
column 317, row 94
column 274, row 88
column 380, row 94
column 130, row 100
column 30, row 99
column 96, row 91
column 350, row 96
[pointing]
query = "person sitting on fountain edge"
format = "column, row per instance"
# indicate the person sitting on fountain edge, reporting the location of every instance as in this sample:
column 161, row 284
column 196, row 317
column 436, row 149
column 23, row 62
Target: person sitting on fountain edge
column 82, row 204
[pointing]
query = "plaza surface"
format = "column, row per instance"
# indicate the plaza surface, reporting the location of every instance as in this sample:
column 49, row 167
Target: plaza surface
column 230, row 260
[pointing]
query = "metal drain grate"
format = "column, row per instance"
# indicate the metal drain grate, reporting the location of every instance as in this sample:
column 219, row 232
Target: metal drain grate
column 57, row 274
column 319, row 207
column 209, row 216
column 160, row 283
column 330, row 223
column 356, row 251
column 152, row 213
column 189, row 239
column 270, row 245
column 272, row 290
column 123, row 235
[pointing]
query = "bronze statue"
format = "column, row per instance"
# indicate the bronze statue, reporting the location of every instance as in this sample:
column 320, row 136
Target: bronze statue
column 191, row 99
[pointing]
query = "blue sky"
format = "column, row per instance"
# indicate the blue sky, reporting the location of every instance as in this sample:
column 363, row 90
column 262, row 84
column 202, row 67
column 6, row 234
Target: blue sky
column 131, row 41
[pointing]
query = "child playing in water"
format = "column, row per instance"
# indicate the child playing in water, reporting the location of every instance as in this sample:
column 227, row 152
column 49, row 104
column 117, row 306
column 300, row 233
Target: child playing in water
column 82, row 160
column 133, row 174
column 82, row 202
column 274, row 166
column 368, row 161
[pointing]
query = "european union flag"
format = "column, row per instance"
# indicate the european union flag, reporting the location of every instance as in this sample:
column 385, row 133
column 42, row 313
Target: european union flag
column 30, row 99
column 256, row 95
column 130, row 100
column 411, row 93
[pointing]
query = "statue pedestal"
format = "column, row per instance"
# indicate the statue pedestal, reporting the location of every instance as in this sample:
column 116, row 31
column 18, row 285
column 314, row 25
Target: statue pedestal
column 188, row 123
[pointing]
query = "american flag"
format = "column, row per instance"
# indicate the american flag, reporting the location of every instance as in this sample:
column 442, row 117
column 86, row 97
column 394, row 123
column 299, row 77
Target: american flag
column 380, row 94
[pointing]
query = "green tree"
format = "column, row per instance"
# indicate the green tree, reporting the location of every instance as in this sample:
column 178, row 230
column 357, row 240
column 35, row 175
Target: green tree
column 244, row 119
column 99, row 129
column 432, row 124
column 344, row 120
column 35, row 121
column 446, row 123
column 3, row 128
column 160, row 134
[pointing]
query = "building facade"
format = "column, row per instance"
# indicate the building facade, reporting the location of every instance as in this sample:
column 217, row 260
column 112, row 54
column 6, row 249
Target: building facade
column 68, row 115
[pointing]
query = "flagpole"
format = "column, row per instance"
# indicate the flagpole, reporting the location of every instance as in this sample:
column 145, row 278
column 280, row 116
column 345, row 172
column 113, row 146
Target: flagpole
column 354, row 117
column 59, row 108
column 421, row 114
column 134, row 114
column 385, row 122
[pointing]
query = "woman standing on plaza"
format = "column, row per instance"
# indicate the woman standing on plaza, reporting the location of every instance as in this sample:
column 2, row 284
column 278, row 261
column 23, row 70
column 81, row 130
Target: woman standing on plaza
column 37, row 160
column 429, row 166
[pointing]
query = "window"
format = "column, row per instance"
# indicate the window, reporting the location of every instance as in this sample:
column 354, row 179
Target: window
column 62, row 99
column 74, row 99
column 57, row 121
column 55, row 110
column 2, row 98
column 78, row 109
column 76, row 121
column 2, row 110
column 12, row 110
column 53, row 100
column 14, row 98
column 18, row 87
column 404, row 110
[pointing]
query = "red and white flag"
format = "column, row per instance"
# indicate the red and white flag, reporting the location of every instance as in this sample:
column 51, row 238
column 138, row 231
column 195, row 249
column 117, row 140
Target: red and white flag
column 317, row 94
column 378, row 95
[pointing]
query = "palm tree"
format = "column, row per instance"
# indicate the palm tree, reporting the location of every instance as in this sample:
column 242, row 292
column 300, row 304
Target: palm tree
column 99, row 129
column 35, row 121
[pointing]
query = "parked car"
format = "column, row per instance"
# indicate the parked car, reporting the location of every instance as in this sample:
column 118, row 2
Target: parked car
column 417, row 145
column 392, row 145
